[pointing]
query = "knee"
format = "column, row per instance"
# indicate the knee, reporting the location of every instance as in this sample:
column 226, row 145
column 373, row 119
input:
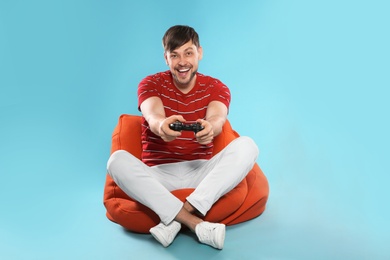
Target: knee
column 115, row 161
column 247, row 148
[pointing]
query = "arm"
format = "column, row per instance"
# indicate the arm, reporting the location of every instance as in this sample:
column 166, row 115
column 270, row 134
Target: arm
column 153, row 111
column 215, row 119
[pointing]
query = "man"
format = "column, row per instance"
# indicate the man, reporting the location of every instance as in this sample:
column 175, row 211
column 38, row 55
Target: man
column 181, row 159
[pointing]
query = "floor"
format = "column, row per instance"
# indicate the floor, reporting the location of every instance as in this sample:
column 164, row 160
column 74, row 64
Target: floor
column 46, row 214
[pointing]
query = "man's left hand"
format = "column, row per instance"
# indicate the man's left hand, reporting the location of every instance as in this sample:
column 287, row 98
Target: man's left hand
column 205, row 136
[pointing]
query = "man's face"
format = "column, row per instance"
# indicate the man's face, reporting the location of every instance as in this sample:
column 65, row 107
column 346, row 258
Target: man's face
column 183, row 63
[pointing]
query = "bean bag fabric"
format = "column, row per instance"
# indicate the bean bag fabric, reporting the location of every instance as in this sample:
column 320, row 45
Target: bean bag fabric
column 246, row 201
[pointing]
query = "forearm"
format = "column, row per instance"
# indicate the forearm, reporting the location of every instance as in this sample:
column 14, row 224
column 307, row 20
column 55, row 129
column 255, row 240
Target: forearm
column 153, row 112
column 216, row 115
column 217, row 123
column 155, row 121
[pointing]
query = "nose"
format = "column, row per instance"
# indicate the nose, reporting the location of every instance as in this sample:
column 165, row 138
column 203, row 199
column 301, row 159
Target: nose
column 183, row 60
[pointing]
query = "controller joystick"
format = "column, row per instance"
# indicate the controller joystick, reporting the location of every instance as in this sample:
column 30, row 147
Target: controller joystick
column 179, row 126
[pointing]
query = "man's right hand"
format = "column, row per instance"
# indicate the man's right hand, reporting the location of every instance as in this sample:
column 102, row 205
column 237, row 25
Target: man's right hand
column 165, row 132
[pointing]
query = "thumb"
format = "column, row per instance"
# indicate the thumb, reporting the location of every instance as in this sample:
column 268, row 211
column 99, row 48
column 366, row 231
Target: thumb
column 180, row 118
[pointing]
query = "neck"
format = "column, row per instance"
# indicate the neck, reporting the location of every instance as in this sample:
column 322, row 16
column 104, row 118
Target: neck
column 185, row 87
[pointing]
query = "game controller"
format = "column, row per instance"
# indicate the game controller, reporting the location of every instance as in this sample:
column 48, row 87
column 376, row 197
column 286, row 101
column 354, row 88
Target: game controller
column 179, row 126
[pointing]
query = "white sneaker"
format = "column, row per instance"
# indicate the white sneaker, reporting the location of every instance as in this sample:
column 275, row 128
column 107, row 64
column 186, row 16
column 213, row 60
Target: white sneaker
column 212, row 234
column 165, row 234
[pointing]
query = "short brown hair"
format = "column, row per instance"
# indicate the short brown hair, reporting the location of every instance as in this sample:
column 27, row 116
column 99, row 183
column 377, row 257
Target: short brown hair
column 178, row 35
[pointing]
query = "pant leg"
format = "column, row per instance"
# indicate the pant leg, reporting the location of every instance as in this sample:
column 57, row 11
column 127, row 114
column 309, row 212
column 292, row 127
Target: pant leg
column 137, row 181
column 223, row 172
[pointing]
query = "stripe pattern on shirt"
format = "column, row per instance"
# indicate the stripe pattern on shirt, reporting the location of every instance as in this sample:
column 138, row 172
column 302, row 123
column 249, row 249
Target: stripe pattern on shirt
column 191, row 106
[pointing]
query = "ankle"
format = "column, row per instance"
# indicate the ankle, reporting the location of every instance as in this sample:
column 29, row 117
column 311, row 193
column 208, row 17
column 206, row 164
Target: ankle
column 187, row 206
column 186, row 218
column 191, row 209
column 197, row 222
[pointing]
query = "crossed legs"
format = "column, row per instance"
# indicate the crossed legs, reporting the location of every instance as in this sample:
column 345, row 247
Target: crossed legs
column 211, row 179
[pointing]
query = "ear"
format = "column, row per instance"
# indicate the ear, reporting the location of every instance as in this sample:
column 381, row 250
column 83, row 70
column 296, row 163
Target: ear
column 166, row 58
column 200, row 52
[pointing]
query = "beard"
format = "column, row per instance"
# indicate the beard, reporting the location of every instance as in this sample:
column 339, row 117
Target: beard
column 184, row 81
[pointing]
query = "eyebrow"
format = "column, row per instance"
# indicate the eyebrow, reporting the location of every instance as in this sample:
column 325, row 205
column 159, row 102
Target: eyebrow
column 189, row 48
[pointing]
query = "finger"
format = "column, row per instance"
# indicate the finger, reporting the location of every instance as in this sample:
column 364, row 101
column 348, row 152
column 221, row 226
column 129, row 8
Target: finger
column 201, row 121
column 201, row 134
column 173, row 133
column 180, row 118
column 206, row 141
column 206, row 132
column 205, row 138
column 169, row 132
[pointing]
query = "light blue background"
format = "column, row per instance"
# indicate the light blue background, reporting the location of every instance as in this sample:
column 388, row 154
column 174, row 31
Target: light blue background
column 310, row 84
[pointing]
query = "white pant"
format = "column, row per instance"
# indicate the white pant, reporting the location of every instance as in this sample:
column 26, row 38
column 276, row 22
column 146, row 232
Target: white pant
column 211, row 179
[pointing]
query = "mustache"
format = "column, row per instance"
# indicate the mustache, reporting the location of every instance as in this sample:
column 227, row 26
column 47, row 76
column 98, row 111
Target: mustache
column 183, row 67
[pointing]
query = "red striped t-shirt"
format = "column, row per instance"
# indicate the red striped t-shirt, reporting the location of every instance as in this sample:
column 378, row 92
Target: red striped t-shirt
column 191, row 106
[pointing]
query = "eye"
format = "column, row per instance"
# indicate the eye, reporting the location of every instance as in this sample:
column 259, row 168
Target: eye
column 173, row 56
column 189, row 53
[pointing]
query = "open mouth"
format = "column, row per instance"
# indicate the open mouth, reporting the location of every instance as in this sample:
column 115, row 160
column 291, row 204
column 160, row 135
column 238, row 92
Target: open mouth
column 183, row 72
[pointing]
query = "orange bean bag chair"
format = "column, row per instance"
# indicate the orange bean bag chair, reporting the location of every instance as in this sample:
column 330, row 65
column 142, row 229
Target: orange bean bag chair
column 246, row 201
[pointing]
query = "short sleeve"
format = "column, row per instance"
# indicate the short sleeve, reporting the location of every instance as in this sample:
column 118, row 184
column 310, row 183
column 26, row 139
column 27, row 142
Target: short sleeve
column 220, row 92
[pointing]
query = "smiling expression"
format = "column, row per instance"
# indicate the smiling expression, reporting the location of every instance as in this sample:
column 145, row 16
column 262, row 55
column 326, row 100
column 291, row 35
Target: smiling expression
column 183, row 64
